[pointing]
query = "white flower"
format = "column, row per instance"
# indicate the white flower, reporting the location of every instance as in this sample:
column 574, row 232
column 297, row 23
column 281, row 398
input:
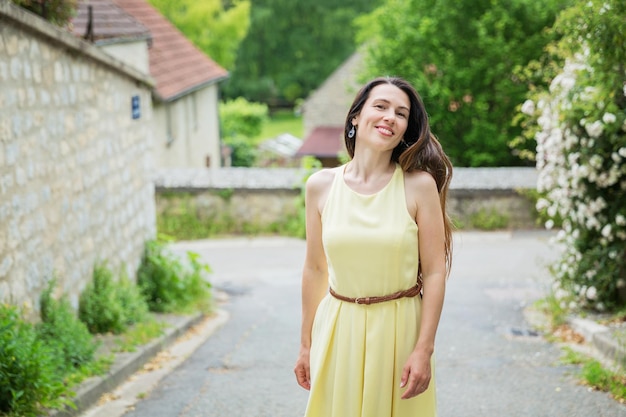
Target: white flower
column 616, row 157
column 596, row 161
column 594, row 129
column 620, row 283
column 606, row 231
column 550, row 224
column 609, row 118
column 591, row 293
column 528, row 107
column 620, row 220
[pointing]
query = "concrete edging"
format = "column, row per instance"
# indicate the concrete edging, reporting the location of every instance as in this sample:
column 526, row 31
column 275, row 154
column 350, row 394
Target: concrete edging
column 601, row 339
column 125, row 364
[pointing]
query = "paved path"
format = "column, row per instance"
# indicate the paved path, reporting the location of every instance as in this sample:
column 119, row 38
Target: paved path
column 484, row 368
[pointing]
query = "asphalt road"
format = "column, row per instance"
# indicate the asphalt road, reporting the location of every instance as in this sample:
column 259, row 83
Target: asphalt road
column 488, row 363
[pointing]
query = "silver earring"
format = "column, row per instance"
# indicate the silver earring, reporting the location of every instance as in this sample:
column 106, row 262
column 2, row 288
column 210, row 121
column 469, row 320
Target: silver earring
column 351, row 132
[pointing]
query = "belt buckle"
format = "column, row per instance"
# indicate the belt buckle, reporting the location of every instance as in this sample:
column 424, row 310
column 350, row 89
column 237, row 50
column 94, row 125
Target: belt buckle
column 357, row 300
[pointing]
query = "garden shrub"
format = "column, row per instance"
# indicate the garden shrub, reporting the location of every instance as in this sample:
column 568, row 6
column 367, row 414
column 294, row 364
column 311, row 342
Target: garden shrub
column 170, row 284
column 109, row 306
column 58, row 12
column 62, row 331
column 28, row 381
column 580, row 129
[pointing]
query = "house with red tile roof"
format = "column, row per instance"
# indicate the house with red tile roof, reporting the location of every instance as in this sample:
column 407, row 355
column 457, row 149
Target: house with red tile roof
column 324, row 113
column 185, row 97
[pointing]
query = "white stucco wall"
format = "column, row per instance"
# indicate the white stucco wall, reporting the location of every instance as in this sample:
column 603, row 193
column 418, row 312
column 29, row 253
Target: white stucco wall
column 193, row 126
column 134, row 54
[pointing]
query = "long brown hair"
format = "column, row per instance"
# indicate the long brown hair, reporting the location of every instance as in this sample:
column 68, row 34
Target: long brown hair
column 419, row 149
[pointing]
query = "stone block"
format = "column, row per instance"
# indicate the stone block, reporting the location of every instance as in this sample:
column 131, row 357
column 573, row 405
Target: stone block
column 34, row 51
column 20, row 177
column 59, row 72
column 12, row 152
column 13, row 235
column 16, row 125
column 28, row 72
column 15, row 68
column 11, row 45
column 4, row 72
column 37, row 73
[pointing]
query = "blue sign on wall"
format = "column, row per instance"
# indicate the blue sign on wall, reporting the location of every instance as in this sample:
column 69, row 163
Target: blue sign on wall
column 136, row 109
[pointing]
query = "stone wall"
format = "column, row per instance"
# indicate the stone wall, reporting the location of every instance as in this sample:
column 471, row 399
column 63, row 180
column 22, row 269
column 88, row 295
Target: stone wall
column 266, row 196
column 75, row 167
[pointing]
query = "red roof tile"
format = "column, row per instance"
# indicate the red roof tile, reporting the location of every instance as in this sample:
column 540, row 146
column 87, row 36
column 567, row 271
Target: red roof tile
column 323, row 141
column 176, row 64
column 109, row 22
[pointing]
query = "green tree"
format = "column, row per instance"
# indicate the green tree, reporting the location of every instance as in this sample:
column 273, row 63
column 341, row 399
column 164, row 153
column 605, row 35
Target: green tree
column 292, row 46
column 215, row 28
column 463, row 57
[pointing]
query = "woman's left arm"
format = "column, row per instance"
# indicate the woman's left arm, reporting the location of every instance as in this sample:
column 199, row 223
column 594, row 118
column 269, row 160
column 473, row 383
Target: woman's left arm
column 417, row 372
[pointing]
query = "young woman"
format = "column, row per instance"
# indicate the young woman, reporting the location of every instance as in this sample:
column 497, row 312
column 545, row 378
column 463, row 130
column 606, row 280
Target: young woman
column 378, row 254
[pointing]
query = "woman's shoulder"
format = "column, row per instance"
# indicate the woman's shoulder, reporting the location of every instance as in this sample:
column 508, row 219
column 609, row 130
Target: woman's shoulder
column 322, row 179
column 418, row 179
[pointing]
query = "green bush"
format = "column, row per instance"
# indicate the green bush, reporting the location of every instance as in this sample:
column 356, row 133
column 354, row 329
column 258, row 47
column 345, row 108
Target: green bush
column 168, row 283
column 240, row 117
column 129, row 295
column 62, row 331
column 59, row 12
column 108, row 306
column 28, row 381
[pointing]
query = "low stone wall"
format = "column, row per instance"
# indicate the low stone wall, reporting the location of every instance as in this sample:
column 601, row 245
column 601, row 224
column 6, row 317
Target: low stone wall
column 265, row 196
column 75, row 185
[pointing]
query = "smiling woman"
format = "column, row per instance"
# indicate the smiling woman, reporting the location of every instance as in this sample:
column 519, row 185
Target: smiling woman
column 378, row 235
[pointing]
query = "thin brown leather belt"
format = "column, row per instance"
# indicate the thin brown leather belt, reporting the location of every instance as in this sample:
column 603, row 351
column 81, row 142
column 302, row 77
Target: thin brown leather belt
column 411, row 292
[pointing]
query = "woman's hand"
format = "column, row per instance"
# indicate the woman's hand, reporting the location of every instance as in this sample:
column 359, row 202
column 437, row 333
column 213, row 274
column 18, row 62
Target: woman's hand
column 416, row 374
column 303, row 370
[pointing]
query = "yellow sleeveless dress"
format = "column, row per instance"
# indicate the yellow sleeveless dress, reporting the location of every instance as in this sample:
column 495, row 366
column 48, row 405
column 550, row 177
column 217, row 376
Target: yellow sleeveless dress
column 358, row 351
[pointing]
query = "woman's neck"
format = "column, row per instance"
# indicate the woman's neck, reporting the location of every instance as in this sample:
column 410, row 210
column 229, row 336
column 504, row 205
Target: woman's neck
column 369, row 164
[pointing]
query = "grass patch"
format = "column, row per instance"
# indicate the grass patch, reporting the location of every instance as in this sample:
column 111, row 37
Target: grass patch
column 593, row 374
column 553, row 309
column 283, row 121
column 99, row 366
column 598, row 377
column 180, row 221
column 488, row 220
column 140, row 334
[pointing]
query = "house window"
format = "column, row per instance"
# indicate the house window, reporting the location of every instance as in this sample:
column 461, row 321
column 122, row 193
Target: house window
column 194, row 111
column 169, row 129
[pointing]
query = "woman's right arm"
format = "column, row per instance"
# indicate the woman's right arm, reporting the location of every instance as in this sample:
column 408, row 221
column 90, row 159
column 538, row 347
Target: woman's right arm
column 315, row 270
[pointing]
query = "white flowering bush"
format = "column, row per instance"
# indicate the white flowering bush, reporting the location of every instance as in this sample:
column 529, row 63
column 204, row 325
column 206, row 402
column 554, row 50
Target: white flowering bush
column 580, row 131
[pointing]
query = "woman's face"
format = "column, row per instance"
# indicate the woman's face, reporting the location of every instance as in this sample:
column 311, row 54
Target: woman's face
column 384, row 117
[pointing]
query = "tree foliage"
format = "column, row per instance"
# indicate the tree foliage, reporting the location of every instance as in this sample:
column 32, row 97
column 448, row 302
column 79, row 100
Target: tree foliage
column 463, row 57
column 292, row 46
column 213, row 27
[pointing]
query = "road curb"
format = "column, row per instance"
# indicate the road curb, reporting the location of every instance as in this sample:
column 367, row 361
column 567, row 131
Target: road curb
column 601, row 338
column 125, row 364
